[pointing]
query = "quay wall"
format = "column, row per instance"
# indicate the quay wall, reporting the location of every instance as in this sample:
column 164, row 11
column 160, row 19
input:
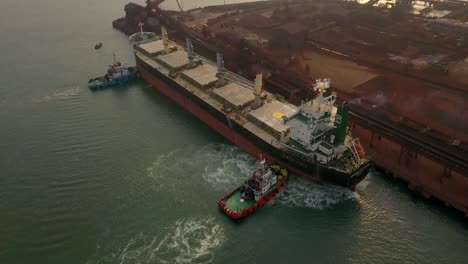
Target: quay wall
column 423, row 175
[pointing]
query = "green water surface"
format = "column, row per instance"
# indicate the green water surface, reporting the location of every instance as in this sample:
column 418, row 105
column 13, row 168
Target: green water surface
column 125, row 176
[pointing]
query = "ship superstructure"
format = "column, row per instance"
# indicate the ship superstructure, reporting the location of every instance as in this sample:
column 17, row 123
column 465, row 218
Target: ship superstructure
column 261, row 182
column 319, row 132
column 310, row 140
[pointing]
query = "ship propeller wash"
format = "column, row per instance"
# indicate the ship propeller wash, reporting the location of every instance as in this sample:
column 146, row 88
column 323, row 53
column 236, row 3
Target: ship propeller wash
column 311, row 140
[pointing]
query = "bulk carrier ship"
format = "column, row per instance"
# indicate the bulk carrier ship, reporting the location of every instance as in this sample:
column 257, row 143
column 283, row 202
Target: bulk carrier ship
column 311, row 140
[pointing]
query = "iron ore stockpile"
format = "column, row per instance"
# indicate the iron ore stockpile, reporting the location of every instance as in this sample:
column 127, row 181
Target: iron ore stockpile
column 402, row 66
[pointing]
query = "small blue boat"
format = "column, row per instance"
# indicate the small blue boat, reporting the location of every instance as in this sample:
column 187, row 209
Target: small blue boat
column 98, row 45
column 116, row 74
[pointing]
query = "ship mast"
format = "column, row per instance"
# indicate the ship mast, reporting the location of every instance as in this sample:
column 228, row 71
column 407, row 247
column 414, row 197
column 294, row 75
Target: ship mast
column 140, row 24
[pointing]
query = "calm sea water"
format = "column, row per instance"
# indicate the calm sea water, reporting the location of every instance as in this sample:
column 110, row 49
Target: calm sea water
column 125, row 176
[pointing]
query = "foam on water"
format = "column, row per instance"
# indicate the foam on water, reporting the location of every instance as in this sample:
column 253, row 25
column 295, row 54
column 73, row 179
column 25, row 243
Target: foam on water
column 186, row 241
column 166, row 161
column 362, row 186
column 303, row 193
column 224, row 167
column 221, row 166
column 71, row 91
column 231, row 167
column 190, row 241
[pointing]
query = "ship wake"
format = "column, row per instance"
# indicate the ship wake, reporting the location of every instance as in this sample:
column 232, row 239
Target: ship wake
column 71, row 91
column 232, row 166
column 190, row 241
column 221, row 166
column 186, row 241
column 302, row 193
column 224, row 167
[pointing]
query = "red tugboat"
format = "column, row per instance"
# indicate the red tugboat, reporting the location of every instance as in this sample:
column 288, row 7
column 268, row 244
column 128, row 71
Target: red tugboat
column 262, row 186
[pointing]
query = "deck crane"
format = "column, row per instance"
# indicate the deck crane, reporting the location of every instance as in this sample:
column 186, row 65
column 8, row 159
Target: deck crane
column 154, row 3
column 180, row 5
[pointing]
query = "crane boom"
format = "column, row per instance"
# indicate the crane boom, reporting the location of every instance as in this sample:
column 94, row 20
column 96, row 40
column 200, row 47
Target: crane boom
column 180, row 6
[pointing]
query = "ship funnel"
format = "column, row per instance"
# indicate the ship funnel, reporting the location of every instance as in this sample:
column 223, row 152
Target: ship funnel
column 258, row 84
column 165, row 39
column 189, row 49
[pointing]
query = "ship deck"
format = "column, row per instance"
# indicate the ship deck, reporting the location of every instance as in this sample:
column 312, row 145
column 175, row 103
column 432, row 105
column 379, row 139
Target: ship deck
column 198, row 87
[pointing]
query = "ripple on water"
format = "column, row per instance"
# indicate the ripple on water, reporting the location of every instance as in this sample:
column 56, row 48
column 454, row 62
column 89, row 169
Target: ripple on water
column 303, row 193
column 68, row 92
column 231, row 167
column 362, row 186
column 224, row 167
column 221, row 166
column 186, row 241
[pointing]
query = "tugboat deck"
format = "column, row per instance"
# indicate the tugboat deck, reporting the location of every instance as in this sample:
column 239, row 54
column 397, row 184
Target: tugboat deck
column 234, row 204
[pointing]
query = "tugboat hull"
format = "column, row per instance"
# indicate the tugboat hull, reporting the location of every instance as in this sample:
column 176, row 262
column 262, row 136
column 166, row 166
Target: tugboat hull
column 103, row 82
